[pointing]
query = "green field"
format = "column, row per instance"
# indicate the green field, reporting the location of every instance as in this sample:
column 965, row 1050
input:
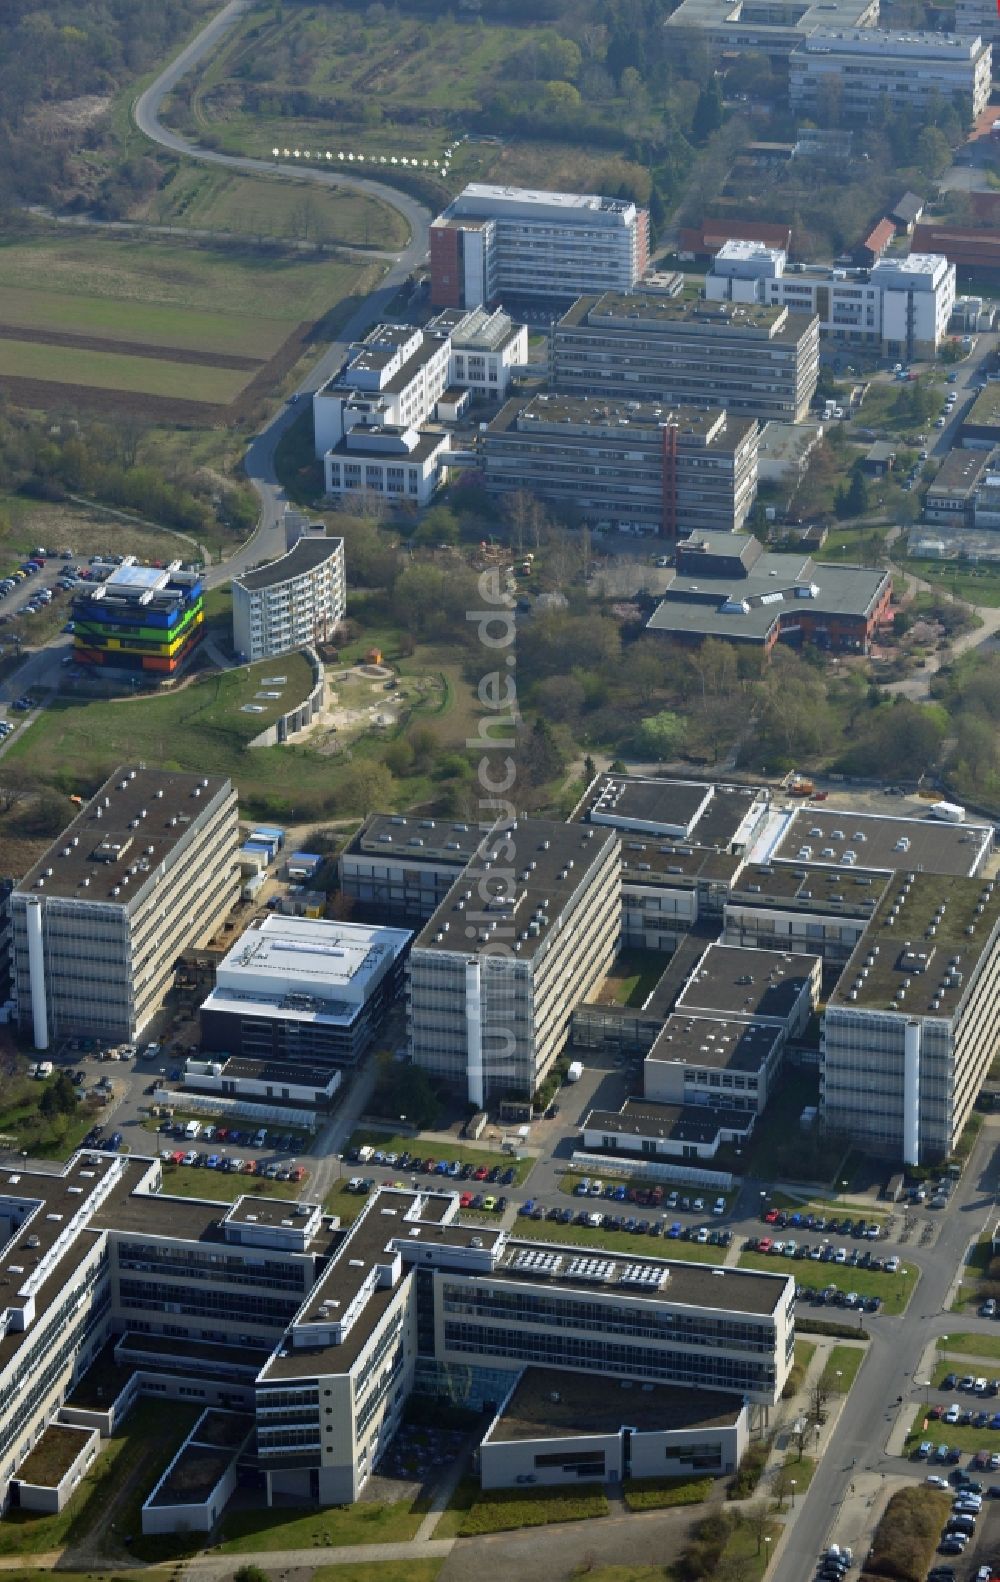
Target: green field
column 257, row 1531
column 152, row 324
column 618, row 1241
column 224, row 1186
column 968, row 1345
column 205, row 198
column 974, row 584
column 102, row 370
column 894, row 1289
column 473, row 1510
column 110, row 282
column 842, row 1368
column 970, row 1439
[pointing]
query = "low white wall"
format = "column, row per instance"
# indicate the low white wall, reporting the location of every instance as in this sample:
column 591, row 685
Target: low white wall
column 51, row 1498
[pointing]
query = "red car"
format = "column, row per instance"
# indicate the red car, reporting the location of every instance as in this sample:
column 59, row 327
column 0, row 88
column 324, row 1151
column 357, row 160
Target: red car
column 221, row 1133
column 465, row 1201
column 299, row 1174
column 765, row 1244
column 771, row 1217
column 936, row 1412
column 480, row 1174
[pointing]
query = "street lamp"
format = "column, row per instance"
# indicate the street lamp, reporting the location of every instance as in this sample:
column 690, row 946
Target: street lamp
column 793, row 1493
column 925, row 1385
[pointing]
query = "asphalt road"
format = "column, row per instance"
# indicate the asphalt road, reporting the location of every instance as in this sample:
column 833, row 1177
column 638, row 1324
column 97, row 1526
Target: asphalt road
column 897, row 1344
column 267, row 541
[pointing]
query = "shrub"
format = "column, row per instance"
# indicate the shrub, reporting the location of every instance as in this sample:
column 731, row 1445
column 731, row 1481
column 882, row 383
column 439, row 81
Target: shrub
column 906, row 1537
column 749, row 1471
column 653, row 1494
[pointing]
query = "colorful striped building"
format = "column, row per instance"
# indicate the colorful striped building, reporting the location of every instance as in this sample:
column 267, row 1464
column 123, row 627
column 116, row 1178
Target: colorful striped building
column 143, row 618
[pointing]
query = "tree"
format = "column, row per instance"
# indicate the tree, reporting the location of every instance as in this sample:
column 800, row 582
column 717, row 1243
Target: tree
column 819, row 1394
column 252, row 1573
column 932, row 151
column 707, row 116
column 757, row 1518
column 364, row 785
column 589, row 769
column 781, row 1484
column 662, row 735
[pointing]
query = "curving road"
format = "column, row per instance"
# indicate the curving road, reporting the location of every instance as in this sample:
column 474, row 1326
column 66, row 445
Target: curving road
column 268, row 539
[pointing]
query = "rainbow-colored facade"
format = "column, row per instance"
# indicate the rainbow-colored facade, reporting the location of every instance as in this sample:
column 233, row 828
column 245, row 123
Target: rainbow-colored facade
column 143, row 618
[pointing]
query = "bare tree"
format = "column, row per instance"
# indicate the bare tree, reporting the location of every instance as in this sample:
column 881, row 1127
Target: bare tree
column 781, row 1484
column 757, row 1519
column 819, row 1394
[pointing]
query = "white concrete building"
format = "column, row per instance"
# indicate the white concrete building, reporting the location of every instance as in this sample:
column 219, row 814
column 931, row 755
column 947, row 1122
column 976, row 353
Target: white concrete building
column 292, row 602
column 513, row 242
column 399, row 463
column 144, row 872
column 390, row 380
column 853, row 71
column 487, row 348
column 900, row 305
column 304, row 989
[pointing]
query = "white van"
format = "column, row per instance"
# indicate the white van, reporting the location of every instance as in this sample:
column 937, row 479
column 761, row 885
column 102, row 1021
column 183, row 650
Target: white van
column 192, row 1130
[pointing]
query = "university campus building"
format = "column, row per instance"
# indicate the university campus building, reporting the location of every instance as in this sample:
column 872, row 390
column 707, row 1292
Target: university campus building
column 146, row 620
column 145, row 871
column 314, row 1338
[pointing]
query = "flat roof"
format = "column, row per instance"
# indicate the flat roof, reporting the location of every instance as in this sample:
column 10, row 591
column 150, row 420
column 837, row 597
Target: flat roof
column 550, row 862
column 809, row 887
column 702, row 813
column 641, row 421
column 571, row 202
column 737, row 980
column 121, row 837
column 407, row 837
column 273, row 1071
column 269, row 1211
column 747, row 608
column 714, row 1041
column 428, row 441
column 306, row 555
column 548, row 1403
column 882, row 841
column 985, row 410
column 960, row 472
column 638, row 310
column 917, row 957
column 285, row 955
column 678, row 1123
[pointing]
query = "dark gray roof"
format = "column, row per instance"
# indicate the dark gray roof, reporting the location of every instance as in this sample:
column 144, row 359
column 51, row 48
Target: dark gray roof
column 679, row 1123
column 908, row 209
column 735, row 980
column 827, row 835
column 548, row 1403
column 715, row 1041
column 550, row 861
column 131, row 813
column 305, row 556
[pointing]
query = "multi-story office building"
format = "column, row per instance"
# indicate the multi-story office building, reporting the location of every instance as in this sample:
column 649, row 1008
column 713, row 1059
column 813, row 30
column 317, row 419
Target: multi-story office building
column 487, row 348
column 143, row 619
column 802, row 907
column 530, row 928
column 913, row 1025
column 399, row 868
column 773, row 29
column 506, row 243
column 391, row 380
column 303, row 989
column 855, row 71
column 292, row 602
column 721, row 1062
column 754, row 360
column 902, row 306
column 977, row 17
column 632, row 465
column 146, row 870
column 321, row 1336
column 951, row 494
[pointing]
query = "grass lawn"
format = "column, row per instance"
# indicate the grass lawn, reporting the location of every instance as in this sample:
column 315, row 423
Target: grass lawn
column 204, row 198
column 939, row 1433
column 256, row 1532
column 118, row 371
column 347, row 1205
column 801, row 1468
column 22, row 1127
column 975, row 584
column 379, row 1571
column 975, row 1268
column 133, row 1457
column 842, row 1368
column 805, row 1350
column 473, row 1510
column 655, row 1494
column 618, row 1241
column 473, row 1154
column 861, row 545
column 894, row 1289
column 968, row 1345
column 225, row 1186
column 166, row 293
column 633, row 977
